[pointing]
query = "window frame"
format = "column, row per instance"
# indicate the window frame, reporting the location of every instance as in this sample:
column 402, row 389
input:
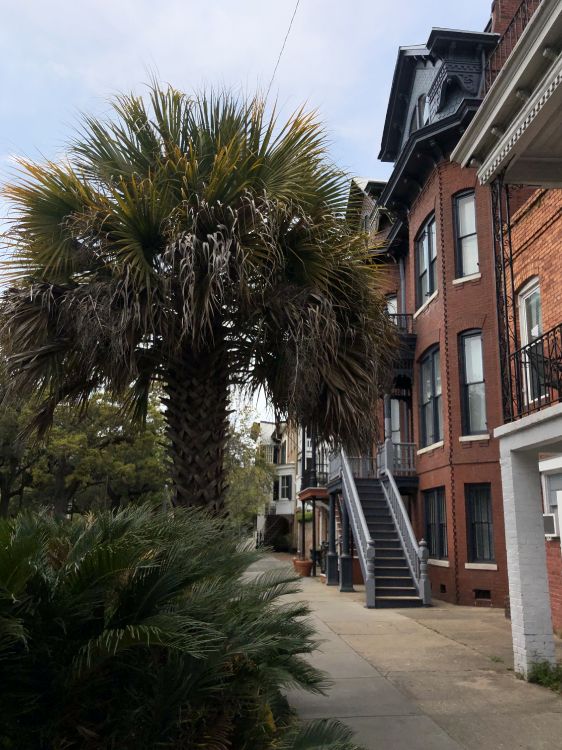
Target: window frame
column 472, row 555
column 436, row 399
column 289, row 495
column 532, row 381
column 466, row 425
column 431, row 262
column 459, row 270
column 438, row 548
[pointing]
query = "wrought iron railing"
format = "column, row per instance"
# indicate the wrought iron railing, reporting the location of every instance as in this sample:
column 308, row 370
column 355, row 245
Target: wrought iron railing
column 508, row 40
column 363, row 467
column 317, row 474
column 364, row 544
column 536, row 372
column 416, row 554
column 403, row 321
column 399, row 458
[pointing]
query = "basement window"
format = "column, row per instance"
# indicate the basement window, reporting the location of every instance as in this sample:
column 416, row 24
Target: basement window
column 483, row 594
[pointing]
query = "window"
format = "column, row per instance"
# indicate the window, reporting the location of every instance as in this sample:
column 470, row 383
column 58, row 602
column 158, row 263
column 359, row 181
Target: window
column 430, row 399
column 473, row 391
column 465, row 235
column 426, row 266
column 530, row 315
column 287, row 487
column 436, row 523
column 480, row 525
column 392, row 304
column 275, row 489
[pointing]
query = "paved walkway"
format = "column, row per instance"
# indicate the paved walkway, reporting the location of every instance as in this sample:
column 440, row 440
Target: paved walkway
column 424, row 679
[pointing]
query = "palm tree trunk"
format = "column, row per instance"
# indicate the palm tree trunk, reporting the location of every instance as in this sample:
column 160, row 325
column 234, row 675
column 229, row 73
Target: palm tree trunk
column 197, row 419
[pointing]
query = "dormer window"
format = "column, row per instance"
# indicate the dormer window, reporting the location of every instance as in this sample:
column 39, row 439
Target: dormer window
column 420, row 114
column 413, row 122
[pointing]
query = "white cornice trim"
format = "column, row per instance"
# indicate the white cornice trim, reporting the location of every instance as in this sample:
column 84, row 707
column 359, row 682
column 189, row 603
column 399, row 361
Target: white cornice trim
column 527, row 51
column 519, row 126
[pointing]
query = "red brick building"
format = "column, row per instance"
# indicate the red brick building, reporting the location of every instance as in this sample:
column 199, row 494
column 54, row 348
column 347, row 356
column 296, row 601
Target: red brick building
column 515, row 144
column 442, row 242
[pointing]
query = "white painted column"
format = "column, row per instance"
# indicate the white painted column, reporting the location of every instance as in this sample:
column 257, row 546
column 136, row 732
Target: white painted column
column 531, row 618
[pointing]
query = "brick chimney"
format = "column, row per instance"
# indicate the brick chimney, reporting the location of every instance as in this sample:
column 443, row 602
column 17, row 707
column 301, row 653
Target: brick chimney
column 502, row 13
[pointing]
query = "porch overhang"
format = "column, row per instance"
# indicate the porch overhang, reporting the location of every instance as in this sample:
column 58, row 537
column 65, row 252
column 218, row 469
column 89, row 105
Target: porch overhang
column 313, row 493
column 516, row 132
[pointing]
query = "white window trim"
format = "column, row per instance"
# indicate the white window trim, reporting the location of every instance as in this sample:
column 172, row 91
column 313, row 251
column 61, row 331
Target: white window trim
column 432, row 447
column 474, row 438
column 530, row 287
column 481, row 566
column 426, row 303
column 439, row 563
column 470, row 277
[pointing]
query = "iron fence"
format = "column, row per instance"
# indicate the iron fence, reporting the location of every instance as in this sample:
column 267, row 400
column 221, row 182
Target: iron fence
column 508, row 40
column 536, row 373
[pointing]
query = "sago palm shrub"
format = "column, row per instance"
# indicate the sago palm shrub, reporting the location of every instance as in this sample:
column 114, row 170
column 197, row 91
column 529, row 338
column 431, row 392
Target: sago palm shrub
column 139, row 631
column 197, row 242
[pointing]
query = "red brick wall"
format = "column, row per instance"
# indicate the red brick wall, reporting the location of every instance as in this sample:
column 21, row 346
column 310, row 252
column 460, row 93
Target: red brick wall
column 502, row 13
column 536, row 237
column 458, row 307
column 536, row 233
column 554, row 567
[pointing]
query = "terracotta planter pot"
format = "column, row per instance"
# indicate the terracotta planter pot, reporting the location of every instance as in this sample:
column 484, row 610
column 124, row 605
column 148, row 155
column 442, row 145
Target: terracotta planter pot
column 302, row 567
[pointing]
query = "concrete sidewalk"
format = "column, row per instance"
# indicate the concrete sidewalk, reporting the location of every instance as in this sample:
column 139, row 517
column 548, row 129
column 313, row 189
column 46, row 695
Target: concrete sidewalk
column 423, row 679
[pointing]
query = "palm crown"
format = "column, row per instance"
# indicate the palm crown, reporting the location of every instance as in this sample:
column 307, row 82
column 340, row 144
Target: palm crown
column 195, row 242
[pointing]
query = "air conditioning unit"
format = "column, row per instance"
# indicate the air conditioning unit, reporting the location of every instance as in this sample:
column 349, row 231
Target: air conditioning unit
column 551, row 525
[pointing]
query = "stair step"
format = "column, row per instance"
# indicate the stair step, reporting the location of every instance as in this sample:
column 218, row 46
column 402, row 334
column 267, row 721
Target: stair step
column 392, row 571
column 398, row 602
column 388, row 552
column 384, row 540
column 396, row 591
column 399, row 581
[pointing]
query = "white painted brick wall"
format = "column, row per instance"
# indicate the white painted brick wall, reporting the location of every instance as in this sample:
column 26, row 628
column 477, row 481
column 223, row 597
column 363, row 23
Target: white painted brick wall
column 531, row 621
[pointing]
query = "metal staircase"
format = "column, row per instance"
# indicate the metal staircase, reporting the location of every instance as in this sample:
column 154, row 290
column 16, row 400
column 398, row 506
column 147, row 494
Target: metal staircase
column 394, row 565
column 394, row 584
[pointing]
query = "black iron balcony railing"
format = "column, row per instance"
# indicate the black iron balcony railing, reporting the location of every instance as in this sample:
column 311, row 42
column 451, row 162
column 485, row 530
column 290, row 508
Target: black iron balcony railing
column 316, row 475
column 536, row 374
column 508, row 40
column 403, row 321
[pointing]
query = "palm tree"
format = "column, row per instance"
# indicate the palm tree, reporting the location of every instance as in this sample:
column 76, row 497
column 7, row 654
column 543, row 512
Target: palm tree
column 195, row 242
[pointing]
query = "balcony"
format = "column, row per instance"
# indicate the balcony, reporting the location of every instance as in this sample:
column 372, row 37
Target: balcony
column 508, row 40
column 536, row 374
column 281, row 507
column 316, row 475
column 405, row 356
column 400, row 458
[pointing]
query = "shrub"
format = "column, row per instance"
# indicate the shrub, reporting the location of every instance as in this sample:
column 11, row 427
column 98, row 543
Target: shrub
column 143, row 630
column 547, row 675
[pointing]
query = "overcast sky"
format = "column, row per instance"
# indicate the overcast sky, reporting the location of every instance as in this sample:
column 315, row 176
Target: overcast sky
column 61, row 57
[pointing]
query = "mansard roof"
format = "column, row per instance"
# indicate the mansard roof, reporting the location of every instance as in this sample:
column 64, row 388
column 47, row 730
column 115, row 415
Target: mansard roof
column 450, row 58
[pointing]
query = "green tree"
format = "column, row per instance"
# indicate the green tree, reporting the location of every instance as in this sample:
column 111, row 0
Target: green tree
column 196, row 242
column 100, row 459
column 249, row 476
column 140, row 630
column 18, row 454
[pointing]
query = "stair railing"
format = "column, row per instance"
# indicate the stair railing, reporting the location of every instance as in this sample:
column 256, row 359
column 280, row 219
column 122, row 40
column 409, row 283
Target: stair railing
column 416, row 554
column 364, row 544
